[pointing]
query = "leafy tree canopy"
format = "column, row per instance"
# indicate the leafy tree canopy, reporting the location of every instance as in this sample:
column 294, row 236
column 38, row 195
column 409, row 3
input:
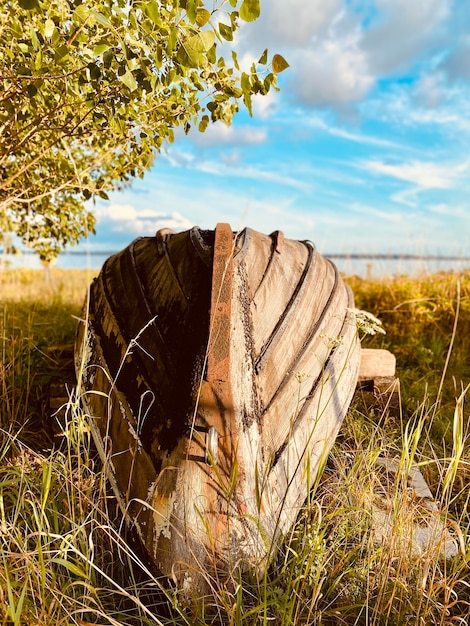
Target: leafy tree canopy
column 90, row 90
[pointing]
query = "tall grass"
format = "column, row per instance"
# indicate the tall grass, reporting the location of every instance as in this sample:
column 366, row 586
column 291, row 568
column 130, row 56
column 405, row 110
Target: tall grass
column 419, row 315
column 66, row 560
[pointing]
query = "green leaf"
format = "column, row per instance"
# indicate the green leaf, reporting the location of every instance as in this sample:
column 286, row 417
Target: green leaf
column 279, row 64
column 28, row 4
column 187, row 57
column 263, row 58
column 246, row 88
column 16, row 28
column 32, row 90
column 95, row 72
column 202, row 42
column 34, row 38
column 61, row 53
column 101, row 19
column 55, row 39
column 202, row 17
column 235, row 92
column 152, row 9
column 158, row 56
column 249, row 10
column 129, row 80
column 108, row 57
column 203, row 123
column 100, row 48
column 269, row 80
column 81, row 13
column 235, row 60
column 191, row 10
column 212, row 54
column 49, row 28
column 172, row 39
column 226, row 31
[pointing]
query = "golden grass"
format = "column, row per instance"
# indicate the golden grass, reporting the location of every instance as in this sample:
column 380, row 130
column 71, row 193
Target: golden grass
column 28, row 285
column 63, row 560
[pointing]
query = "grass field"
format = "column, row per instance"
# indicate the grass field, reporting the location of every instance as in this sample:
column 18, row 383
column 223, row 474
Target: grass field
column 63, row 560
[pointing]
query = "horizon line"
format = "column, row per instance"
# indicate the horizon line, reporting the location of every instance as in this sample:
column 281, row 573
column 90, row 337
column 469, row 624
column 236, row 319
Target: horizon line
column 392, row 256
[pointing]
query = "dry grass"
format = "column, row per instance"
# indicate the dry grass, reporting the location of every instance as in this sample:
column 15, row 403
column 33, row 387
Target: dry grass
column 64, row 562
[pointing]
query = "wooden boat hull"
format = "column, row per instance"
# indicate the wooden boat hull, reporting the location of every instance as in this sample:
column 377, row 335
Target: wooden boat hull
column 217, row 369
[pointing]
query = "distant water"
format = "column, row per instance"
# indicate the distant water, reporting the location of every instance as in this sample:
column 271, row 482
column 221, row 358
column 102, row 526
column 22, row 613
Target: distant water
column 376, row 266
column 67, row 260
column 386, row 268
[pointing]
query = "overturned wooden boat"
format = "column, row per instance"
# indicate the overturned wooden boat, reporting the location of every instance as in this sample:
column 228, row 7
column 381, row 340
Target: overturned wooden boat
column 217, row 368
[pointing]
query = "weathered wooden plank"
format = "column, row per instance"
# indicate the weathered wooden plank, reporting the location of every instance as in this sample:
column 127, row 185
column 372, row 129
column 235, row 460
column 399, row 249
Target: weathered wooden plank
column 256, row 255
column 307, row 374
column 284, row 276
column 376, row 363
column 293, row 338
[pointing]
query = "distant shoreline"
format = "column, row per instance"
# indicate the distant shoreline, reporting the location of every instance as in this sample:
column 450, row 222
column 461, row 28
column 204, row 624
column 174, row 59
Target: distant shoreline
column 384, row 256
column 397, row 257
column 367, row 265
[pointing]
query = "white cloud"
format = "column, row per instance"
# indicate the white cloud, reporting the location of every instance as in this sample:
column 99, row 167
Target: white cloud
column 456, row 64
column 294, row 23
column 177, row 158
column 205, row 200
column 380, row 214
column 425, row 175
column 402, row 30
column 220, row 134
column 431, row 102
column 430, row 89
column 125, row 218
column 450, row 211
column 321, row 41
column 317, row 122
column 338, row 50
column 408, row 197
column 231, row 158
column 229, row 166
column 266, row 106
column 219, row 168
column 336, row 72
column 442, row 117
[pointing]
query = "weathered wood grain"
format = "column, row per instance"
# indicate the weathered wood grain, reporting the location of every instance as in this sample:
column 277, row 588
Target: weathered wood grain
column 217, row 370
column 375, row 363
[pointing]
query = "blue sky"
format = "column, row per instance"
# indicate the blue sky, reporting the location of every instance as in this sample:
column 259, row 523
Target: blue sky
column 366, row 148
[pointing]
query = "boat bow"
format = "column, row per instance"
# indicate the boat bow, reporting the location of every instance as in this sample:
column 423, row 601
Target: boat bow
column 218, row 367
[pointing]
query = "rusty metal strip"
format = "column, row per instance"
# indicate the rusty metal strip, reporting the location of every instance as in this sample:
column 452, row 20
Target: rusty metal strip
column 215, row 412
column 215, row 408
column 218, row 359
